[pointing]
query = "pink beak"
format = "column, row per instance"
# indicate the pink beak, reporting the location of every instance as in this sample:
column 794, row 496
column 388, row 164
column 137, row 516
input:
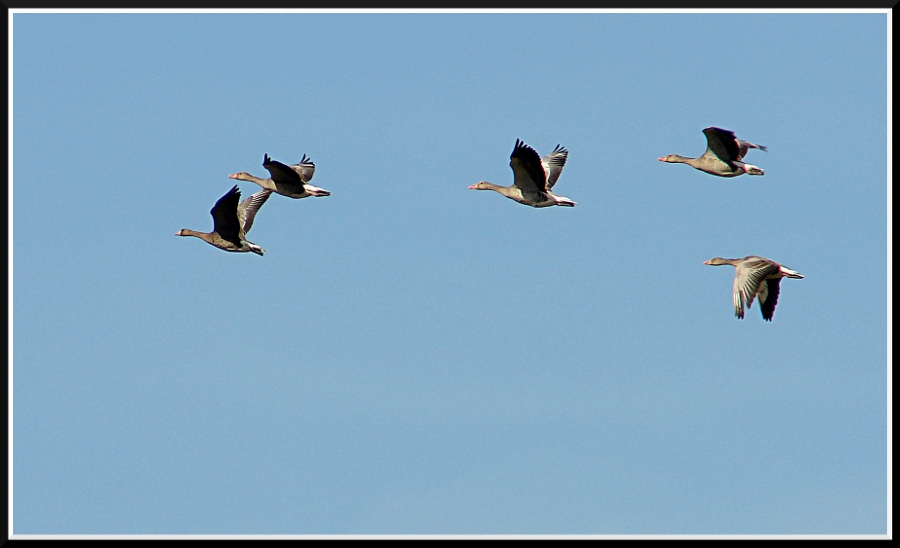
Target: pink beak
column 662, row 159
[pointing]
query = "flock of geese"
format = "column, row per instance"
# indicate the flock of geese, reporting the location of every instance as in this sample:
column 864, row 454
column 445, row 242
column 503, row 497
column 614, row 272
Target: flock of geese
column 533, row 180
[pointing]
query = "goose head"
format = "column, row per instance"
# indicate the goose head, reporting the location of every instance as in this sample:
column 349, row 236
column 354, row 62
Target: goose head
column 717, row 261
column 672, row 159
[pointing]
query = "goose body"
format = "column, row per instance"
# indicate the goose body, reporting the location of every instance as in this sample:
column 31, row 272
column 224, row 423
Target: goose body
column 533, row 177
column 232, row 220
column 756, row 278
column 723, row 157
column 291, row 181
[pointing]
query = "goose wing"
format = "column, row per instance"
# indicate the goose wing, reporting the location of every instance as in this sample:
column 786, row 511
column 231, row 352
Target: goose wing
column 769, row 297
column 749, row 275
column 528, row 172
column 722, row 143
column 553, row 164
column 281, row 173
column 305, row 169
column 744, row 146
column 246, row 210
column 287, row 180
column 225, row 217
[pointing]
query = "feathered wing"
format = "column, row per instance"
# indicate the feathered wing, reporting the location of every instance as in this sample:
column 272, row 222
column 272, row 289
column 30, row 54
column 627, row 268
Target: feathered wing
column 528, row 172
column 286, row 178
column 744, row 146
column 553, row 164
column 305, row 169
column 280, row 172
column 749, row 275
column 769, row 298
column 225, row 218
column 722, row 143
column 247, row 209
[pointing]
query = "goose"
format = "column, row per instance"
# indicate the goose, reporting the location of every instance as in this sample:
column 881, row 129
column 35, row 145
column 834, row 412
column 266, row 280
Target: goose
column 723, row 157
column 533, row 177
column 232, row 222
column 291, row 181
column 756, row 277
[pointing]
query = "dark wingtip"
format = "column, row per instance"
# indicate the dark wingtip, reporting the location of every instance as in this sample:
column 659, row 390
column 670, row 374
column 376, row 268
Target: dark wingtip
column 520, row 144
column 719, row 131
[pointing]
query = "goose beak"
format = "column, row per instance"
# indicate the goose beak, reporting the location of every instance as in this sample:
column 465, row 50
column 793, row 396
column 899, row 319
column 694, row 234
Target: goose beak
column 233, row 176
column 662, row 158
column 473, row 187
column 707, row 262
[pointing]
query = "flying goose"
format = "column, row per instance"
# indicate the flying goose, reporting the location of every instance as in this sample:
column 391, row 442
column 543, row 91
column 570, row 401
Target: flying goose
column 291, row 181
column 533, row 177
column 232, row 222
column 756, row 277
column 723, row 157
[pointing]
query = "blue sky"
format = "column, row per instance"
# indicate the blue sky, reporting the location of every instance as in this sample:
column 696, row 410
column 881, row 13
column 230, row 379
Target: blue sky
column 410, row 356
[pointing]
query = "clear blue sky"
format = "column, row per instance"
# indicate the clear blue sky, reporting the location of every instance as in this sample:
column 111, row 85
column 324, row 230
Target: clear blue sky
column 411, row 356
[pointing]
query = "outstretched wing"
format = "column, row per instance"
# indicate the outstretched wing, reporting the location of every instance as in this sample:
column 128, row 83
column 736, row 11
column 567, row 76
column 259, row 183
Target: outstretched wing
column 553, row 164
column 528, row 172
column 281, row 173
column 225, row 218
column 722, row 143
column 747, row 279
column 305, row 169
column 247, row 209
column 769, row 299
column 747, row 145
